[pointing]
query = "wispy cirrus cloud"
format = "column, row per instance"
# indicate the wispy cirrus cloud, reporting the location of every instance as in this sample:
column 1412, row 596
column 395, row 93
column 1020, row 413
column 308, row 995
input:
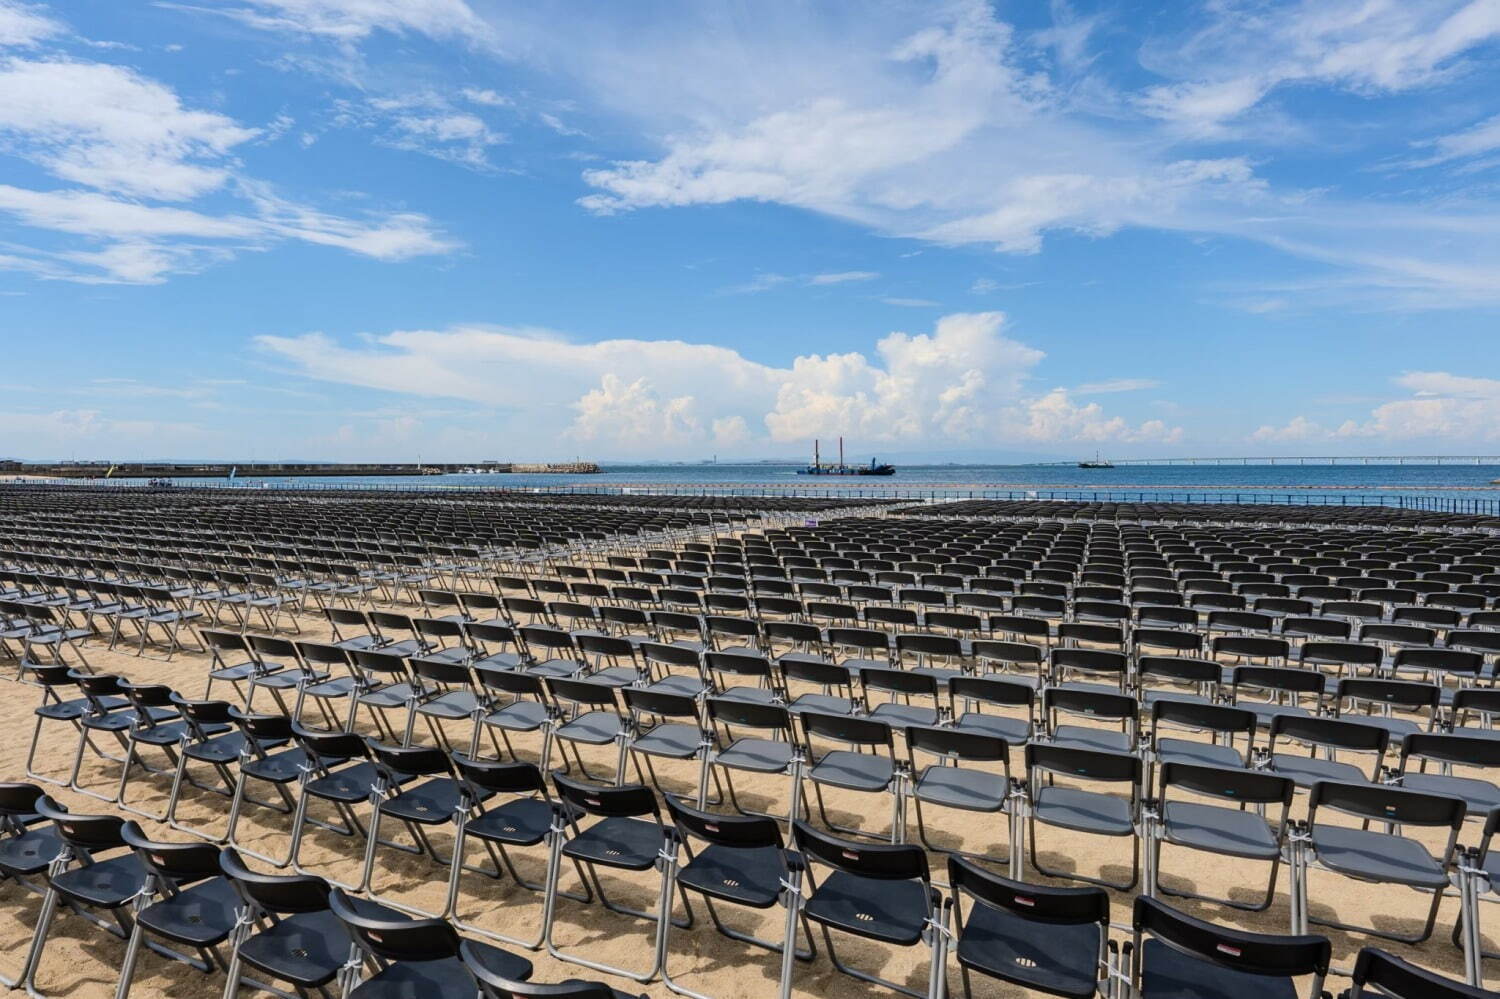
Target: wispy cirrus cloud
column 147, row 178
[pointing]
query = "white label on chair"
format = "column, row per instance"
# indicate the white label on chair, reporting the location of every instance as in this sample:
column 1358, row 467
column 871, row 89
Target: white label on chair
column 1227, row 949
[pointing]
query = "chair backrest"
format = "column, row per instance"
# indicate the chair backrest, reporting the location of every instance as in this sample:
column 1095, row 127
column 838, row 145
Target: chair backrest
column 736, row 831
column 1383, row 803
column 391, row 935
column 1284, row 957
column 1042, row 903
column 1379, row 974
column 179, row 863
column 1092, row 764
column 84, row 832
column 846, row 729
column 630, row 800
column 276, row 893
column 1232, row 784
column 883, row 861
column 1218, row 718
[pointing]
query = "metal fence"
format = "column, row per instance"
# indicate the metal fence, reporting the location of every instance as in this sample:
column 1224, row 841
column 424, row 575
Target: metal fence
column 1480, row 506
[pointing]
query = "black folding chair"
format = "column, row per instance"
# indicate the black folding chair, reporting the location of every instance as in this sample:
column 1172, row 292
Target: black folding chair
column 878, row 892
column 1045, row 939
column 1226, row 830
column 628, row 836
column 411, row 957
column 958, row 779
column 185, row 901
column 1373, row 856
column 1177, row 956
column 744, row 862
column 1081, row 809
column 283, row 929
column 1380, row 975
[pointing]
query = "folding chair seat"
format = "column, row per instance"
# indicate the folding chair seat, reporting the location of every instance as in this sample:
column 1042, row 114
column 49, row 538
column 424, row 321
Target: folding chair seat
column 285, row 929
column 881, row 893
column 950, row 783
column 743, row 862
column 1049, row 940
column 973, row 693
column 1225, row 830
column 1176, row 956
column 868, row 766
column 1328, row 736
column 185, row 902
column 1380, row 975
column 1095, row 705
column 1081, row 809
column 1373, row 856
column 1224, row 723
column 628, row 835
column 591, row 716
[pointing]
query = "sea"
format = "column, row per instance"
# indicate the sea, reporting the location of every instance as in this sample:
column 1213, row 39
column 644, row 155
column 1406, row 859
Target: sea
column 1448, row 486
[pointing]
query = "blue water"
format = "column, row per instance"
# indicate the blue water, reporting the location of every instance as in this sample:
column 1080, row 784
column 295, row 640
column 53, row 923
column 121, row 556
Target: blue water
column 1282, row 482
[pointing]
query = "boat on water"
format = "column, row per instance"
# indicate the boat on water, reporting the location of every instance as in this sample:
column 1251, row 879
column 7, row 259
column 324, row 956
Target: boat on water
column 1098, row 462
column 875, row 467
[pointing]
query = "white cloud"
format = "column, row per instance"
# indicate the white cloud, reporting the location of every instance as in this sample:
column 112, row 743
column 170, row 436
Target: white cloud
column 842, row 277
column 486, row 97
column 1296, row 430
column 964, row 381
column 24, row 24
column 57, row 433
column 1480, row 138
column 144, row 164
column 1243, row 51
column 1112, row 385
column 426, row 123
column 1444, row 408
column 984, row 286
column 348, row 21
column 109, row 128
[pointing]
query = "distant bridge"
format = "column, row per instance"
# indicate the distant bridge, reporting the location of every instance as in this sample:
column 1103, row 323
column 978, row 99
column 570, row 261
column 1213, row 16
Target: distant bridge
column 1341, row 459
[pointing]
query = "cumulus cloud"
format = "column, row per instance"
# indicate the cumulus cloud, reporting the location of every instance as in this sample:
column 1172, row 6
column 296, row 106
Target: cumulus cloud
column 965, row 381
column 1441, row 407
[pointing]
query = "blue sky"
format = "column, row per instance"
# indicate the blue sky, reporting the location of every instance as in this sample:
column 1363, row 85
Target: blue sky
column 465, row 229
